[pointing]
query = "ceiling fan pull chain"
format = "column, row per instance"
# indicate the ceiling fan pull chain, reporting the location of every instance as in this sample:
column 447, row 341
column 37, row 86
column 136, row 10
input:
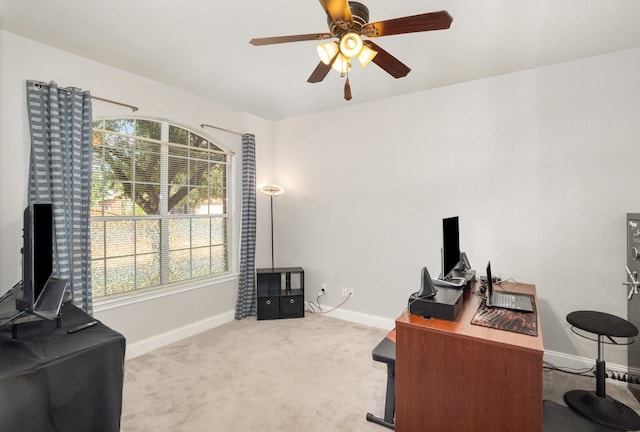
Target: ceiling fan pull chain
column 347, row 89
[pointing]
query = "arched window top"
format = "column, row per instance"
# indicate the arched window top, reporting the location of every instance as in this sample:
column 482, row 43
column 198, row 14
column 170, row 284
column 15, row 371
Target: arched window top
column 152, row 129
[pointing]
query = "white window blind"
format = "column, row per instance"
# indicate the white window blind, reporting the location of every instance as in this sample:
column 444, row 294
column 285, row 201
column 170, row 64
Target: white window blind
column 159, row 208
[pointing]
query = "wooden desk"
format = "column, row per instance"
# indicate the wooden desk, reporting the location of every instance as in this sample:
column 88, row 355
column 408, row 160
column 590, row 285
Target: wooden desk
column 455, row 376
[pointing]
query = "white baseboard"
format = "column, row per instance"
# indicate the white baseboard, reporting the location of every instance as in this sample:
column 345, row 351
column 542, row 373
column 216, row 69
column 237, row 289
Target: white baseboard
column 566, row 361
column 359, row 318
column 562, row 360
column 146, row 345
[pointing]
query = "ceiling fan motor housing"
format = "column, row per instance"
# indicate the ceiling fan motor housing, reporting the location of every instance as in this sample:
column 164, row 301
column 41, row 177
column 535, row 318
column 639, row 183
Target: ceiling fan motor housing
column 360, row 15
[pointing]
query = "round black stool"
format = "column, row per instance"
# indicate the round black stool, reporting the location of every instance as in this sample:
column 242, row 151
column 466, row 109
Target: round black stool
column 597, row 406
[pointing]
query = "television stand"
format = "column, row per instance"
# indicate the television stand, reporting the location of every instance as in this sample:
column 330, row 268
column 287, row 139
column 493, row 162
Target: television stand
column 36, row 388
column 10, row 315
column 31, row 318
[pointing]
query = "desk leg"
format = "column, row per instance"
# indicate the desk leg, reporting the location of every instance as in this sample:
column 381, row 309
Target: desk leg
column 390, row 402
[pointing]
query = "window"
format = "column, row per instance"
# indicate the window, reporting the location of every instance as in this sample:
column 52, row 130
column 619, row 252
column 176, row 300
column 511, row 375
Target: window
column 159, row 206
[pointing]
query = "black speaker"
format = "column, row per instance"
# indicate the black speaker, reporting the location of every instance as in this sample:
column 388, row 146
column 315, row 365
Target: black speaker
column 427, row 289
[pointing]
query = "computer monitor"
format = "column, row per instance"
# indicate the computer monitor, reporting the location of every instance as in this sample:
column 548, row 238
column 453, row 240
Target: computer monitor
column 450, row 245
column 37, row 254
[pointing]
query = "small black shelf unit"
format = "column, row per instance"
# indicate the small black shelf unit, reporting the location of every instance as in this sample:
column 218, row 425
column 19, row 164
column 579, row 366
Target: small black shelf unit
column 280, row 293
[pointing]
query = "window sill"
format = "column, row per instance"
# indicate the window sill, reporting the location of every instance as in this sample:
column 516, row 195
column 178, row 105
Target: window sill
column 143, row 296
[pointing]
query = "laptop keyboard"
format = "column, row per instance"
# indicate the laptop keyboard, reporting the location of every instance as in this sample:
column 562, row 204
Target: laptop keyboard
column 503, row 300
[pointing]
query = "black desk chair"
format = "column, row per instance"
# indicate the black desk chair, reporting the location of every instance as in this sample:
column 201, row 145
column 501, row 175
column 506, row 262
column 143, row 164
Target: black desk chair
column 385, row 352
column 597, row 406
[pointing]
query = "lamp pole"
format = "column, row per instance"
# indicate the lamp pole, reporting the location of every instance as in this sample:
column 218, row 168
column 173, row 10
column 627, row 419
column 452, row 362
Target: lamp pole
column 272, row 191
column 272, row 260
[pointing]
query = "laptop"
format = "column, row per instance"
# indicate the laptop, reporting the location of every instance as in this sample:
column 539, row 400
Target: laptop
column 506, row 300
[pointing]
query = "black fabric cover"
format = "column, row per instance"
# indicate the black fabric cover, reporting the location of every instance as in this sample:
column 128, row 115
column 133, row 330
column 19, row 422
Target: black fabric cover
column 54, row 381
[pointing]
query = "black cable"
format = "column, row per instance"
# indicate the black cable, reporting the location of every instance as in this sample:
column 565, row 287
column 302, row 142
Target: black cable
column 572, row 371
column 590, row 373
column 511, row 280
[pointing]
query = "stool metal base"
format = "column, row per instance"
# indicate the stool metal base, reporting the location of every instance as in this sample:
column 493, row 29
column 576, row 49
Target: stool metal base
column 603, row 410
column 380, row 421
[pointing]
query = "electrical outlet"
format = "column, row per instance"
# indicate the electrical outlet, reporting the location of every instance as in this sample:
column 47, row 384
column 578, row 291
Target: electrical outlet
column 347, row 291
column 323, row 287
column 351, row 292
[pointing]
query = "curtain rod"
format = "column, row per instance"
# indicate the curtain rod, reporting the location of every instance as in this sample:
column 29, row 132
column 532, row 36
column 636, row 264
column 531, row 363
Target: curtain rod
column 203, row 125
column 133, row 108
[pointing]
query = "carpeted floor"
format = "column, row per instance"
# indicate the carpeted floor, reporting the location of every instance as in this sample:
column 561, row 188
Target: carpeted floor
column 311, row 374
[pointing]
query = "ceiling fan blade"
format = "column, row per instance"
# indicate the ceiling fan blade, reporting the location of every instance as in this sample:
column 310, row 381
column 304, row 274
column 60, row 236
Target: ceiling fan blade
column 389, row 63
column 411, row 24
column 322, row 70
column 319, row 73
column 338, row 10
column 292, row 38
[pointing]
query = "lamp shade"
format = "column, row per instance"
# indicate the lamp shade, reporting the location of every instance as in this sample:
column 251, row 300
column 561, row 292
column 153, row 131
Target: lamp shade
column 366, row 56
column 327, row 51
column 271, row 190
column 342, row 64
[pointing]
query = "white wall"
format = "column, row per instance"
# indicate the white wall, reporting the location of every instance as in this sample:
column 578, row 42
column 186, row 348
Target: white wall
column 539, row 166
column 22, row 59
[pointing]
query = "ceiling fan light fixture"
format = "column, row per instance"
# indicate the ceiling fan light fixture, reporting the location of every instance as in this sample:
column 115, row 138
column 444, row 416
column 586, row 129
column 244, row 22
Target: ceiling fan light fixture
column 327, row 51
column 348, row 22
column 366, row 56
column 342, row 64
column 351, row 44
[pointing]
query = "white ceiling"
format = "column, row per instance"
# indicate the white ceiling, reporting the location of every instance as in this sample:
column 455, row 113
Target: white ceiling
column 203, row 45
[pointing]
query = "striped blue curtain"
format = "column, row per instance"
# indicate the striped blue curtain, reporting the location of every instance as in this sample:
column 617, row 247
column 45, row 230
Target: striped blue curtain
column 60, row 172
column 246, row 304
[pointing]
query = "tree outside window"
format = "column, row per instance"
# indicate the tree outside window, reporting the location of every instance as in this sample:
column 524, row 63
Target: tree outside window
column 158, row 208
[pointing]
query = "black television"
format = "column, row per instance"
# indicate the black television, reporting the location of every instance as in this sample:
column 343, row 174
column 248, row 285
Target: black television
column 450, row 245
column 37, row 254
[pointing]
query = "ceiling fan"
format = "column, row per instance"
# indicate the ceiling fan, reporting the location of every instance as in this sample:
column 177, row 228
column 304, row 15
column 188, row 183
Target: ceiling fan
column 348, row 21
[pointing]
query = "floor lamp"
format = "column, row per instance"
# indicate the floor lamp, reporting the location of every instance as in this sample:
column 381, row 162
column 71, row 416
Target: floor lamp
column 272, row 191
